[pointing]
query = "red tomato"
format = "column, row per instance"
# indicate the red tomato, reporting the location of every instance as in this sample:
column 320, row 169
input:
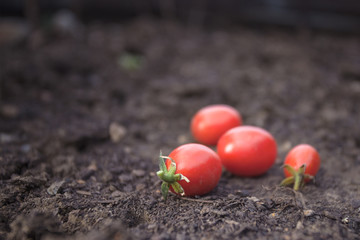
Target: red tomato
column 200, row 164
column 301, row 165
column 300, row 155
column 210, row 122
column 247, row 151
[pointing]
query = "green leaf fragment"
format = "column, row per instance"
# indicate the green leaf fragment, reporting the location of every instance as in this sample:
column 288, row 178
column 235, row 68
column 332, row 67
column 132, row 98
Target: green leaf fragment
column 130, row 61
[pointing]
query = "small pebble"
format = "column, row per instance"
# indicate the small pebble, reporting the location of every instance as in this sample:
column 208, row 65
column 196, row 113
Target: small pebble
column 241, row 193
column 140, row 187
column 181, row 139
column 128, row 188
column 84, row 192
column 127, row 149
column 7, row 138
column 285, row 147
column 66, row 21
column 180, row 236
column 231, row 196
column 93, row 166
column 299, row 225
column 355, row 203
column 55, row 187
column 345, row 220
column 308, row 212
column 9, row 111
column 67, row 195
column 151, row 226
column 106, row 176
column 117, row 132
column 254, row 199
column 123, row 178
column 86, row 173
column 25, row 148
column 268, row 203
column 330, row 215
column 138, row 172
column 12, row 31
column 117, row 193
column 80, row 181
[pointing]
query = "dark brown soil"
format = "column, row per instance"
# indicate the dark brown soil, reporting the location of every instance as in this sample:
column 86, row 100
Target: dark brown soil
column 62, row 177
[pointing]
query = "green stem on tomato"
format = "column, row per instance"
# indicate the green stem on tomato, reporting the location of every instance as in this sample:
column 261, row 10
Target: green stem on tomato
column 298, row 180
column 297, row 177
column 169, row 177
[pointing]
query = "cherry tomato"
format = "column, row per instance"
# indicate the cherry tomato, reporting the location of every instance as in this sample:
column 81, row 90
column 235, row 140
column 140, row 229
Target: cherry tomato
column 196, row 170
column 210, row 122
column 301, row 165
column 247, row 151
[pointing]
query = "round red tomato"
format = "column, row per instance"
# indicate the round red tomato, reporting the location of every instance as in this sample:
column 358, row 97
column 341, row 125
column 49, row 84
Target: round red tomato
column 247, row 151
column 210, row 122
column 300, row 155
column 199, row 164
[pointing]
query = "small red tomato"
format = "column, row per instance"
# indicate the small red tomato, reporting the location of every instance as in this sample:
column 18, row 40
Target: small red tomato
column 210, row 122
column 301, row 165
column 247, row 151
column 197, row 164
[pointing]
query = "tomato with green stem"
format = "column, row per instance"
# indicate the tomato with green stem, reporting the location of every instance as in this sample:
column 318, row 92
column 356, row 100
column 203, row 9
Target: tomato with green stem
column 191, row 169
column 212, row 121
column 301, row 165
column 247, row 151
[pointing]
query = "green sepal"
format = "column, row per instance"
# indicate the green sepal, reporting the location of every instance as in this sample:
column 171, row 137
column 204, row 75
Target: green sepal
column 162, row 164
column 169, row 178
column 160, row 174
column 165, row 190
column 172, row 168
column 182, row 177
column 290, row 169
column 177, row 188
column 287, row 181
column 297, row 177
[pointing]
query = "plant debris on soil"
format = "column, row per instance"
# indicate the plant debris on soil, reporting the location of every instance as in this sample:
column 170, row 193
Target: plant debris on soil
column 85, row 111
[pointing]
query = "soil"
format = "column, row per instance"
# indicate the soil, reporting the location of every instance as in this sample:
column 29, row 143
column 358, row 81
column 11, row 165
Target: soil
column 66, row 174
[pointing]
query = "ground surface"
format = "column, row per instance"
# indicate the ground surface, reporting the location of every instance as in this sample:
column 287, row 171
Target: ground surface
column 62, row 177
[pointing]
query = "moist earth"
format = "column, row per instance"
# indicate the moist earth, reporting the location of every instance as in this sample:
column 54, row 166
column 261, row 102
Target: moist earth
column 85, row 111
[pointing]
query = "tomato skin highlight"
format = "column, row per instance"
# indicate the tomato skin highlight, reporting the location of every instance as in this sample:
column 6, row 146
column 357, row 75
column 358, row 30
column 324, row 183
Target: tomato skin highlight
column 212, row 121
column 247, row 151
column 200, row 164
column 300, row 155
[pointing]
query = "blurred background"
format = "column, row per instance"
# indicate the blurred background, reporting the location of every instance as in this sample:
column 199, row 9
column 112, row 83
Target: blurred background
column 90, row 91
column 329, row 15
